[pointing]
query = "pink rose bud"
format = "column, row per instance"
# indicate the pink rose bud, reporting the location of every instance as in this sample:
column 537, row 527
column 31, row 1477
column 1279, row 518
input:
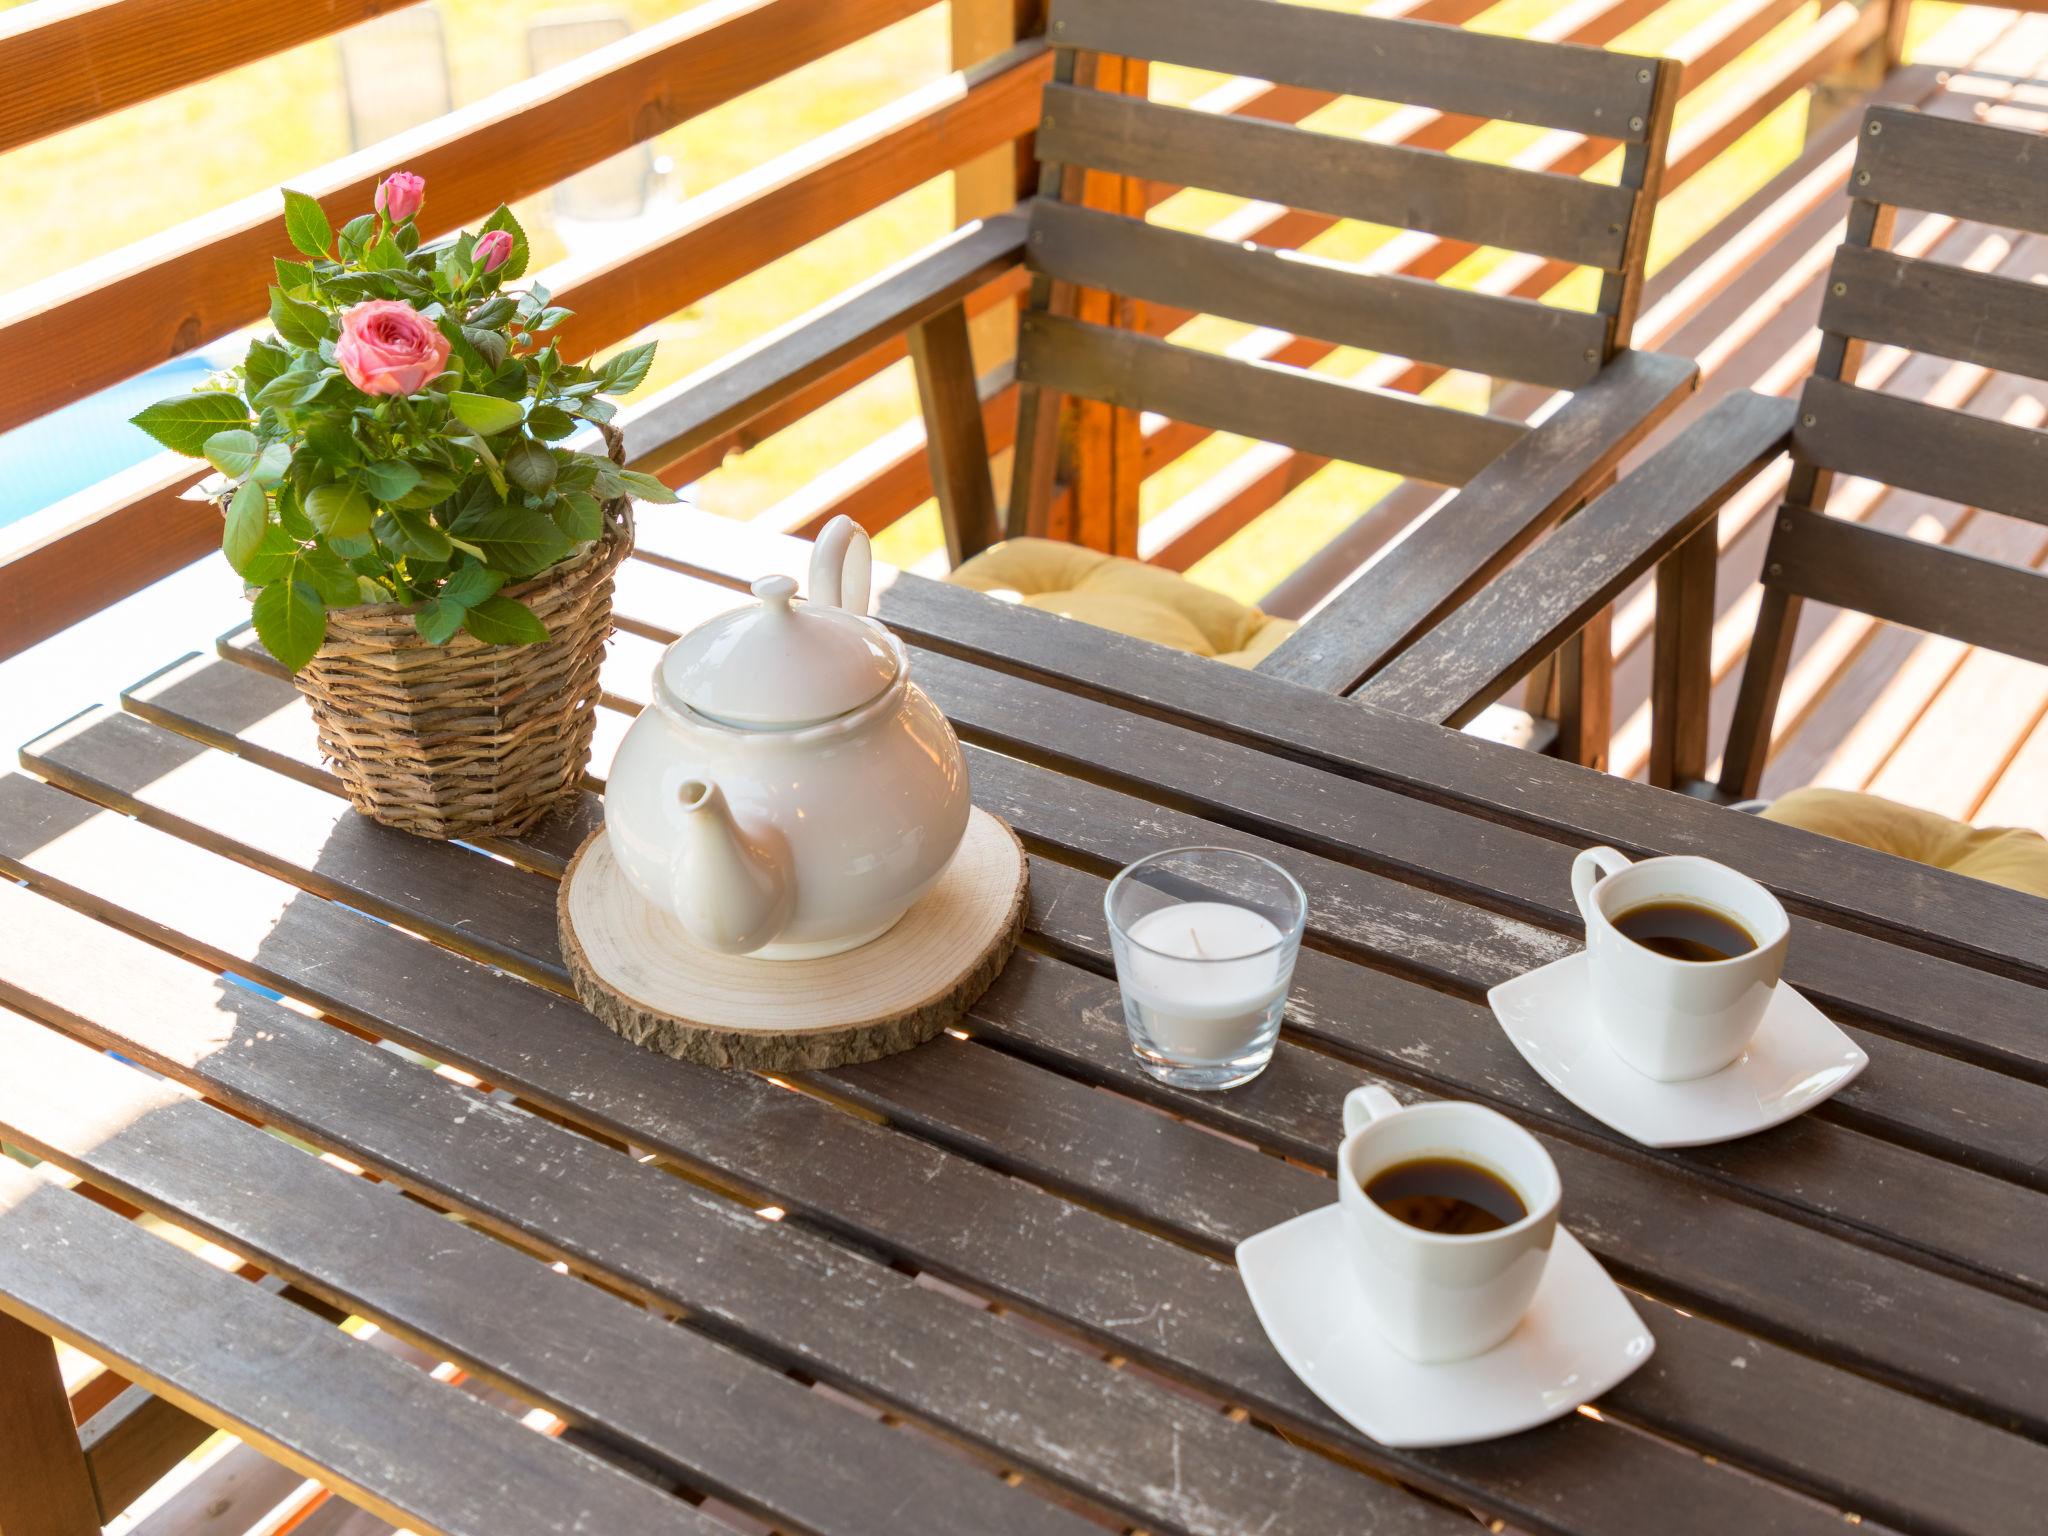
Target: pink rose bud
column 389, row 348
column 492, row 248
column 400, row 194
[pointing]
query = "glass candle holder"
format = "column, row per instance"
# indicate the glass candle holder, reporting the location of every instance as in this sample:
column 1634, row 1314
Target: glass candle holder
column 1204, row 940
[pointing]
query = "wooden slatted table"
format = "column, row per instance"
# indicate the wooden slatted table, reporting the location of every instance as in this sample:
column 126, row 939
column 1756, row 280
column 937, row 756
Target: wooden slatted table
column 983, row 1286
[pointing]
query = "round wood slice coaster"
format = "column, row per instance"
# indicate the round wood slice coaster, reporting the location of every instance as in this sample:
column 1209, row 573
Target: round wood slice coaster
column 637, row 970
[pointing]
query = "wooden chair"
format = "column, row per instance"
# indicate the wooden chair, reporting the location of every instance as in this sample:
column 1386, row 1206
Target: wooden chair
column 1662, row 514
column 1517, row 480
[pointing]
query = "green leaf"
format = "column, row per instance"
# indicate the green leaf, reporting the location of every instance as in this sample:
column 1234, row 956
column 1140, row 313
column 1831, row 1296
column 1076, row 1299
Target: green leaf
column 340, row 509
column 471, row 584
column 329, row 576
column 438, row 621
column 300, row 324
column 272, row 559
column 550, row 423
column 306, row 223
column 232, row 451
column 291, row 516
column 266, row 360
column 486, row 461
column 435, row 486
column 579, row 516
column 412, row 535
column 518, row 542
column 331, row 441
column 384, row 256
column 285, row 389
column 491, row 346
column 291, row 621
column 504, row 621
column 530, row 465
column 184, row 423
column 485, row 415
column 357, row 230
column 515, row 264
column 388, row 480
column 646, row 487
column 248, row 519
column 294, row 277
column 271, row 465
column 627, row 370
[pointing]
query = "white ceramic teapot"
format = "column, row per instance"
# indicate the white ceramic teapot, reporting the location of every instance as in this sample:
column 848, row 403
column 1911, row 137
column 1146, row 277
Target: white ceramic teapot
column 791, row 792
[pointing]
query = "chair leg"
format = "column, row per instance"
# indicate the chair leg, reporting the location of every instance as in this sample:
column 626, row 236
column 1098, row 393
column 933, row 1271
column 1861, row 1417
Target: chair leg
column 1682, row 662
column 1585, row 686
column 956, row 441
column 1763, row 677
column 47, row 1489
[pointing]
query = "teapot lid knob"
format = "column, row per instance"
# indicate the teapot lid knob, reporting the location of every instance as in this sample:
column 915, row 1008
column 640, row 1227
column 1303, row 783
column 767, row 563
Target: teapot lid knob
column 776, row 591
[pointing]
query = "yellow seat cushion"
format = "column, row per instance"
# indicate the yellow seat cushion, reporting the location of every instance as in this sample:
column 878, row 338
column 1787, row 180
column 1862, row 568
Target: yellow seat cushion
column 2009, row 856
column 1128, row 596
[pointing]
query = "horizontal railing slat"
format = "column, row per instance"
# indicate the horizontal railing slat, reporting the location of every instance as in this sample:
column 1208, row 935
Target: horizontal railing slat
column 1935, row 306
column 1955, row 166
column 66, row 65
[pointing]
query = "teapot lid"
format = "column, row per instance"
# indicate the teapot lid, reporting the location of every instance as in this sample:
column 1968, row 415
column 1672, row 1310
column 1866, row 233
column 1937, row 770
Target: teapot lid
column 778, row 665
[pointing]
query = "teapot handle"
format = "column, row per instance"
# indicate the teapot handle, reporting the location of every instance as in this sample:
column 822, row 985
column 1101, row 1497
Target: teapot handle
column 842, row 566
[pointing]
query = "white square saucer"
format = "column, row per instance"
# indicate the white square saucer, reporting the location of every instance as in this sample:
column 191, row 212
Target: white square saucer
column 1796, row 1058
column 1579, row 1337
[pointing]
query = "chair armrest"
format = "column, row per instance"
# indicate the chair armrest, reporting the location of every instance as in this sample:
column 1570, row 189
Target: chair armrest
column 1485, row 526
column 727, row 395
column 1527, row 611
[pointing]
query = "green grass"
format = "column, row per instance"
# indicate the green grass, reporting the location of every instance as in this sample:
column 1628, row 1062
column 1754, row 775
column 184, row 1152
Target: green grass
column 98, row 188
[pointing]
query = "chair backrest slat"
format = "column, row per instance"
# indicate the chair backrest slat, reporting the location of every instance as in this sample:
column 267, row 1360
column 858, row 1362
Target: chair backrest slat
column 1539, row 212
column 1931, row 306
column 1928, row 448
column 1552, row 85
column 1950, row 165
column 1282, row 405
column 1292, row 291
column 1905, row 581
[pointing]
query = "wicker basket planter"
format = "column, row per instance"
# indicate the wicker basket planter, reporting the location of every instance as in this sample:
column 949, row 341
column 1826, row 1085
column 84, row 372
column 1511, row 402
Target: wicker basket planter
column 466, row 739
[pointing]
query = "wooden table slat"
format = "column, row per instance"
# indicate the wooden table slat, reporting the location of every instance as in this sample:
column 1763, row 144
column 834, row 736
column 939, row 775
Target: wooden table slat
column 1145, row 1297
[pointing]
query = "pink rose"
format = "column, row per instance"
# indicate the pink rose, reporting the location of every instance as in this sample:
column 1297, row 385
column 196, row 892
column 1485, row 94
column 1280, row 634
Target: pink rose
column 389, row 348
column 400, row 194
column 492, row 249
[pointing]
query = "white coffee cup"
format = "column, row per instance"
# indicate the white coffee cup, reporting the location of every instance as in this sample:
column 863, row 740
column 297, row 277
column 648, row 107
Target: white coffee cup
column 1437, row 1296
column 1676, row 1019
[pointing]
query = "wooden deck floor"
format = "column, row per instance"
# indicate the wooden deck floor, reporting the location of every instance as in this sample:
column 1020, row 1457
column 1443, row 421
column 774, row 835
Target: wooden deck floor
column 1867, row 706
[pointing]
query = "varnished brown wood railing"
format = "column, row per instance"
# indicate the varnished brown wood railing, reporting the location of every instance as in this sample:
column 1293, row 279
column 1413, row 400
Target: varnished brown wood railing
column 211, row 279
column 68, row 64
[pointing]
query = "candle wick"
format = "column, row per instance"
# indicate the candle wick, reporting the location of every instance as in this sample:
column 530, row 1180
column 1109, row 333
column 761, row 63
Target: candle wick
column 1196, row 940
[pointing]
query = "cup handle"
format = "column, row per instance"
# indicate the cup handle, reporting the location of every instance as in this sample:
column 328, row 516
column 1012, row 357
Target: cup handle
column 1362, row 1106
column 1588, row 869
column 842, row 566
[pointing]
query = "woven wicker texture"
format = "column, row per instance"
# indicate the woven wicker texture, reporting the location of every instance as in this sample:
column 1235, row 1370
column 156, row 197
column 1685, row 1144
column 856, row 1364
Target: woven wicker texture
column 468, row 739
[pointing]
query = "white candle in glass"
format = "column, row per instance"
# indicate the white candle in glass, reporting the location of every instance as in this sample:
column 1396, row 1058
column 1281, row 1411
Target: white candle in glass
column 1216, row 1006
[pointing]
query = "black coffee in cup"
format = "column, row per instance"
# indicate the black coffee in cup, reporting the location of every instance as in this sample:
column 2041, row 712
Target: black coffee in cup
column 1684, row 930
column 1446, row 1195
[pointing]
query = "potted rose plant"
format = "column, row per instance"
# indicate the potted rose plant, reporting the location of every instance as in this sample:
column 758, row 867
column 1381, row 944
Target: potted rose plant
column 426, row 551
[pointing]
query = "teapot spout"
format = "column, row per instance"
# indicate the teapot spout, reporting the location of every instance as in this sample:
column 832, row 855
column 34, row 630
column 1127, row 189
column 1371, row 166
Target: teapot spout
column 733, row 892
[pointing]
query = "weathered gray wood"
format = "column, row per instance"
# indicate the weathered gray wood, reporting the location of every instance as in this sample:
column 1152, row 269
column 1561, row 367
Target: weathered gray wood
column 391, row 1438
column 1267, row 400
column 1682, row 659
column 1952, row 454
column 740, row 386
column 722, row 1423
column 1537, row 211
column 1584, row 564
column 1906, row 581
column 47, row 1490
column 1936, row 306
column 1554, row 85
column 1140, row 1296
column 1311, row 296
column 1951, row 165
column 956, row 441
column 1501, row 511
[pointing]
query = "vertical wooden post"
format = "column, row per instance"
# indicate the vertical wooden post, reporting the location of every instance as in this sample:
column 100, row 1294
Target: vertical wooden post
column 1898, row 13
column 1682, row 660
column 1585, row 685
column 1102, row 449
column 956, row 444
column 46, row 1489
column 1843, row 89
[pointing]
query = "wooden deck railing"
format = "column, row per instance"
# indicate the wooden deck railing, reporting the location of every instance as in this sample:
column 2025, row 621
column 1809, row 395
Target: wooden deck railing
column 73, row 334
